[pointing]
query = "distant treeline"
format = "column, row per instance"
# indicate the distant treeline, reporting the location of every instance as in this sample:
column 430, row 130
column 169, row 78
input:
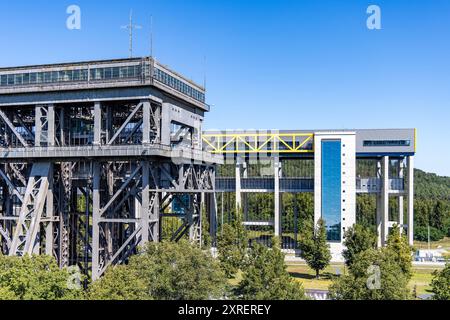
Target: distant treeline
column 431, row 203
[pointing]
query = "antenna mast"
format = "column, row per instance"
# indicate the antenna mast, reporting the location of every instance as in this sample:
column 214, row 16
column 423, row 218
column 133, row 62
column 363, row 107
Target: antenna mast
column 130, row 27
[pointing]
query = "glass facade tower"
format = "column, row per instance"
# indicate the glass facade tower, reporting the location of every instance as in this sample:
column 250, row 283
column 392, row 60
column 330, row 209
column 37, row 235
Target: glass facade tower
column 331, row 188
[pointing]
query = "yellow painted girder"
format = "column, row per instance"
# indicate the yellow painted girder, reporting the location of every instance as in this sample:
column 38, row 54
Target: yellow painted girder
column 256, row 142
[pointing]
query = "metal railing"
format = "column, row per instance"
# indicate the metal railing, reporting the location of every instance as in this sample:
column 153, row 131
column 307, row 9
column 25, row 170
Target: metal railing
column 363, row 185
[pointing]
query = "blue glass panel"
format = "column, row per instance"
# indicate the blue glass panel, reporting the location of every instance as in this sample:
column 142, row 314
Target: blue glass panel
column 331, row 188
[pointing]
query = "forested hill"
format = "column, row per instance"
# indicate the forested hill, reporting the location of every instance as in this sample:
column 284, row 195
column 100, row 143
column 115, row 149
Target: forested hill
column 431, row 186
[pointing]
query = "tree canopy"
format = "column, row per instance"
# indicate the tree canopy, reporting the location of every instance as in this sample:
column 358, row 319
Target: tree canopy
column 265, row 276
column 36, row 278
column 163, row 271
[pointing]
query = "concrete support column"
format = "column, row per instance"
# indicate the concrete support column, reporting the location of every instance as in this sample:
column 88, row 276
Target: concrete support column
column 95, row 222
column 401, row 221
column 97, row 123
column 277, row 197
column 384, row 200
column 410, row 206
column 146, row 114
column 238, row 185
column 245, row 195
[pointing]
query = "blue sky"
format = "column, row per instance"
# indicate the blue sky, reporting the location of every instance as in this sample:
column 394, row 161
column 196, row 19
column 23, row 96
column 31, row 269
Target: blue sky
column 287, row 64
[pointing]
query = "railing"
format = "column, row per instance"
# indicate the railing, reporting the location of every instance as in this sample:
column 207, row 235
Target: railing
column 363, row 185
column 373, row 185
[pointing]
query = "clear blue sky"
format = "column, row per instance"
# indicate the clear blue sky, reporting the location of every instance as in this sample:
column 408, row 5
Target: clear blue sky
column 296, row 64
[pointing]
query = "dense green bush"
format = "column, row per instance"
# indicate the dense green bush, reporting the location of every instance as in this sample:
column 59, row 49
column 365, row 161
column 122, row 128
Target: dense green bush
column 421, row 234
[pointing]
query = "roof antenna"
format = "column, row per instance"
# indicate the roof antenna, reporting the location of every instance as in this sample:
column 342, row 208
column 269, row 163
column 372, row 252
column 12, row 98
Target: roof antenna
column 151, row 36
column 130, row 28
column 204, row 72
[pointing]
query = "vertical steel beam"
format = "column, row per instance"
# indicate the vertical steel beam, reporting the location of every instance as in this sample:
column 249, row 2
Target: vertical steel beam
column 146, row 115
column 49, row 232
column 145, row 203
column 96, row 221
column 38, row 126
column 97, row 123
column 51, row 125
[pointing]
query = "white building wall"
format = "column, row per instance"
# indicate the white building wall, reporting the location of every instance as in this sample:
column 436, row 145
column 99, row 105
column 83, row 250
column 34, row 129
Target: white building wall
column 348, row 179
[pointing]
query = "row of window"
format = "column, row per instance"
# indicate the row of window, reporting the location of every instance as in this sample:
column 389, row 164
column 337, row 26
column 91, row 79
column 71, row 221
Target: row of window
column 116, row 73
column 43, row 77
column 387, row 143
column 178, row 85
column 97, row 74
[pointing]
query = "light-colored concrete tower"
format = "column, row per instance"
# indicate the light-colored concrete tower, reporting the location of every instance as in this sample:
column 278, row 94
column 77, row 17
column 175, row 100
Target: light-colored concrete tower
column 335, row 185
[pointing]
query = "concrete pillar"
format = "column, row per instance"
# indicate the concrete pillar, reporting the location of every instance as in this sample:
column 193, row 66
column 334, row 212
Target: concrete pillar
column 245, row 195
column 95, row 222
column 384, row 200
column 410, row 206
column 379, row 207
column 277, row 197
column 401, row 221
column 238, row 184
column 97, row 124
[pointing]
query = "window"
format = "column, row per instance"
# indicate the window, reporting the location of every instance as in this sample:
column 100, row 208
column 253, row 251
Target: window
column 387, row 143
column 178, row 85
column 331, row 188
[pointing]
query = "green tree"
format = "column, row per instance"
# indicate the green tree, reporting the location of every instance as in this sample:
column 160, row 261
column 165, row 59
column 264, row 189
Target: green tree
column 441, row 284
column 314, row 247
column 119, row 283
column 265, row 276
column 36, row 278
column 358, row 239
column 401, row 250
column 374, row 275
column 232, row 246
column 164, row 271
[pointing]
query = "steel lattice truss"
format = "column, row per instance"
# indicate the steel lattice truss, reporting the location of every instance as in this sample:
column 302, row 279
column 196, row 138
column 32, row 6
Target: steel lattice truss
column 95, row 212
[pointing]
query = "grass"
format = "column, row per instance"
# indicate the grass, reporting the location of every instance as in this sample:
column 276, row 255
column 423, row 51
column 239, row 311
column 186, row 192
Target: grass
column 421, row 277
column 444, row 244
column 307, row 277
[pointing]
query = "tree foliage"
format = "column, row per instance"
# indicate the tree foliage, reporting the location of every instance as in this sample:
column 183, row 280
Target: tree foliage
column 357, row 240
column 374, row 275
column 314, row 247
column 35, row 278
column 397, row 244
column 441, row 284
column 163, row 271
column 232, row 246
column 265, row 276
